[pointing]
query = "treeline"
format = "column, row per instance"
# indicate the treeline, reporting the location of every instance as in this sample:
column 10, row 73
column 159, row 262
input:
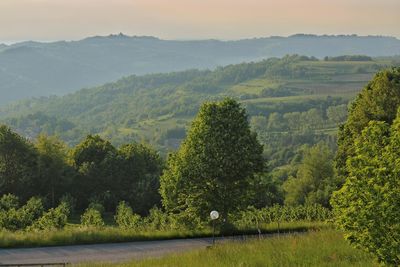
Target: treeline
column 94, row 171
column 283, row 134
column 34, row 216
column 349, row 58
column 300, row 121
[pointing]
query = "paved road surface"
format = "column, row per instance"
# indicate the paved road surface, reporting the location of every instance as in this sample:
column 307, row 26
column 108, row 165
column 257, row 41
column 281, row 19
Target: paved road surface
column 100, row 252
column 114, row 252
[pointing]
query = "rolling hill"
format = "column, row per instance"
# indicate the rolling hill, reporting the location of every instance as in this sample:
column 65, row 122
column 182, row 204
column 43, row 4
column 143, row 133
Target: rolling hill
column 291, row 101
column 32, row 69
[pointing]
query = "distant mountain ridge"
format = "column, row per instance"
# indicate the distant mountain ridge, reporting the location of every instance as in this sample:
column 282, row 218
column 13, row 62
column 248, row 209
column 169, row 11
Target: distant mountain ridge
column 31, row 69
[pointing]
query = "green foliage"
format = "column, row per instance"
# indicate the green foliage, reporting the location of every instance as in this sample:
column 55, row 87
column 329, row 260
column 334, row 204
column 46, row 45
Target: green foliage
column 54, row 218
column 69, row 201
column 349, row 58
column 315, row 179
column 92, row 150
column 252, row 218
column 9, row 201
column 367, row 206
column 157, row 219
column 18, row 165
column 379, row 101
column 146, row 107
column 96, row 205
column 214, row 165
column 139, row 182
column 52, row 165
column 125, row 218
column 92, row 218
column 18, row 219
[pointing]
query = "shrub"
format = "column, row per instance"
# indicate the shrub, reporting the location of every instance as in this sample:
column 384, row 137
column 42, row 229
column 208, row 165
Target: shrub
column 277, row 213
column 11, row 219
column 157, row 219
column 9, row 201
column 70, row 202
column 92, row 217
column 125, row 218
column 17, row 219
column 55, row 218
column 97, row 206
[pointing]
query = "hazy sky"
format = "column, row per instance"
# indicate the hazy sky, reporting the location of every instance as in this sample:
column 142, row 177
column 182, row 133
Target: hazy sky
column 194, row 19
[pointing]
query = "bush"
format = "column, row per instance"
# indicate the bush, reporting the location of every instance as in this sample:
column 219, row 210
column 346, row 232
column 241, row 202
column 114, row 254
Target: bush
column 125, row 218
column 17, row 219
column 157, row 219
column 53, row 218
column 9, row 201
column 11, row 219
column 70, row 202
column 277, row 213
column 92, row 217
column 97, row 206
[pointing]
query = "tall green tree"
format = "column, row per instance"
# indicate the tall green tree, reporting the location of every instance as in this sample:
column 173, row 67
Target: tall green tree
column 367, row 206
column 52, row 166
column 18, row 164
column 379, row 101
column 97, row 164
column 140, row 182
column 315, row 178
column 215, row 164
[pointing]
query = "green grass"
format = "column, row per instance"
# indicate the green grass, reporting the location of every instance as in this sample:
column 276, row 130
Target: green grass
column 319, row 248
column 73, row 235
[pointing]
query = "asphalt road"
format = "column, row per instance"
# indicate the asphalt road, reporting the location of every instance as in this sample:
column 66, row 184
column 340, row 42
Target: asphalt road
column 115, row 252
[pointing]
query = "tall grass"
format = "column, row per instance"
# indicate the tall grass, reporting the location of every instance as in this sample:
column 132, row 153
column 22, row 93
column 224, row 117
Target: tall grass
column 319, row 248
column 73, row 235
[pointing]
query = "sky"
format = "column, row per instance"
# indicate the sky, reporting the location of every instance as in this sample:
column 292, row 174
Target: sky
column 50, row 20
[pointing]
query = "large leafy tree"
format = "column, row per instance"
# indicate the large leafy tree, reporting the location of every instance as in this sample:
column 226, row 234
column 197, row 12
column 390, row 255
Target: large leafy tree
column 18, row 164
column 97, row 163
column 215, row 164
column 379, row 101
column 52, row 167
column 367, row 206
column 140, row 181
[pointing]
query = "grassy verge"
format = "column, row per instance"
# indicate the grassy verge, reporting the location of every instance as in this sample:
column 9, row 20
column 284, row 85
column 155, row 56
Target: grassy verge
column 318, row 248
column 73, row 235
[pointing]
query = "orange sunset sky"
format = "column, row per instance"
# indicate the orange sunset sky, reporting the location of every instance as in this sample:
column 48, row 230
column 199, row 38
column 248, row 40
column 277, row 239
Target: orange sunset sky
column 47, row 20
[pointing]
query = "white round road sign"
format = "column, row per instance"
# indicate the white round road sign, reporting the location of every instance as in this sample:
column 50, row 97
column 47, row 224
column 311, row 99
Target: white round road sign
column 214, row 215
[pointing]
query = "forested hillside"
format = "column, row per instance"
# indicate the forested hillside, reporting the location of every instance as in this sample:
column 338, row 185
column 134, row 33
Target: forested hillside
column 291, row 101
column 41, row 69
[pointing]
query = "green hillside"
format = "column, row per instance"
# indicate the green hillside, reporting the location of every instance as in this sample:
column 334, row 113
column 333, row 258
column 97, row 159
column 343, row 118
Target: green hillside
column 291, row 101
column 34, row 69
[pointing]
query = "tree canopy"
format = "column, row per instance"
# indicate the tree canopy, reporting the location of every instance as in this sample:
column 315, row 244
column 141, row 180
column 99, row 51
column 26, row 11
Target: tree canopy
column 315, row 178
column 215, row 164
column 379, row 101
column 367, row 206
column 18, row 164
